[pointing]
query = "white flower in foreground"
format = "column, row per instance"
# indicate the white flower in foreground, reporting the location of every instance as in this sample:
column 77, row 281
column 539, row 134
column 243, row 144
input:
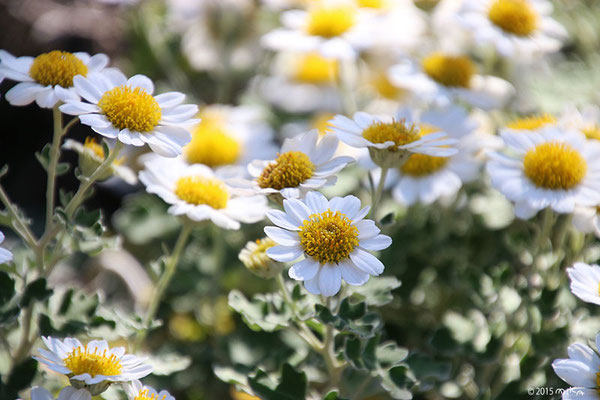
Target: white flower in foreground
column 94, row 365
column 91, row 155
column 68, row 393
column 552, row 168
column 137, row 391
column 390, row 141
column 125, row 109
column 424, row 178
column 47, row 78
column 585, row 282
column 336, row 29
column 5, row 255
column 516, row 28
column 333, row 237
column 305, row 163
column 198, row 193
column 443, row 78
column 580, row 370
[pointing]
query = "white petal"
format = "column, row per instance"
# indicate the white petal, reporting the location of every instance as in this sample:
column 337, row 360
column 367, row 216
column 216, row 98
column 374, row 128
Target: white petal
column 330, row 279
column 304, row 270
column 367, row 262
column 284, row 253
column 282, row 237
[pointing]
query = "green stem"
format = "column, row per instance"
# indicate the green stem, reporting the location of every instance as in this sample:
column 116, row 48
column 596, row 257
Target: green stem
column 20, row 226
column 376, row 197
column 53, row 162
column 334, row 370
column 164, row 281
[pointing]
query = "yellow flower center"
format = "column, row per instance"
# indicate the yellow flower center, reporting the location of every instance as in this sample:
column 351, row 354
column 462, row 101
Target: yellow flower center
column 57, row 68
column 532, row 122
column 328, row 237
column 329, row 22
column 592, row 132
column 93, row 145
column 261, row 246
column 419, row 165
column 385, row 88
column 132, row 109
column 211, row 145
column 145, row 394
column 321, row 123
column 554, row 165
column 199, row 190
column 316, row 69
column 82, row 361
column 398, row 132
column 287, row 171
column 378, row 4
column 452, row 71
column 514, row 16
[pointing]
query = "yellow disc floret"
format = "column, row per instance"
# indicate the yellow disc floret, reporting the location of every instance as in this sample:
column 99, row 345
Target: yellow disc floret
column 555, row 166
column 377, row 4
column 532, row 122
column 211, row 145
column 83, row 361
column 199, row 190
column 514, row 16
column 448, row 70
column 330, row 22
column 287, row 171
column 328, row 237
column 130, row 108
column 385, row 88
column 321, row 122
column 57, row 68
column 145, row 394
column 398, row 132
column 316, row 69
column 592, row 131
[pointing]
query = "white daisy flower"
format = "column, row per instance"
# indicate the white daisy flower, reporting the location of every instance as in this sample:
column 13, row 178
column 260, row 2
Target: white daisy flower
column 125, row 109
column 586, row 120
column 92, row 154
column 552, row 167
column 585, row 282
column 200, row 194
column 47, row 78
column 580, row 370
column 516, row 28
column 5, row 255
column 424, row 178
column 135, row 390
column 304, row 163
column 68, row 393
column 93, row 366
column 333, row 237
column 336, row 29
column 587, row 220
column 443, row 78
column 302, row 82
column 390, row 141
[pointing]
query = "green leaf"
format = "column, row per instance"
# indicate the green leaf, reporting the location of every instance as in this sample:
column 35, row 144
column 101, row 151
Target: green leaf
column 352, row 319
column 44, row 156
column 9, row 316
column 262, row 313
column 20, row 378
column 292, row 385
column 425, row 367
column 377, row 291
column 333, row 395
column 7, row 287
column 62, row 168
column 35, row 291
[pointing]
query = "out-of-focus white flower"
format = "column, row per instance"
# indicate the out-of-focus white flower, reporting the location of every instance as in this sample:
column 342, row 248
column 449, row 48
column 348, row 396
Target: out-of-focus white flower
column 587, row 220
column 580, row 370
column 93, row 366
column 516, row 28
column 333, row 237
column 586, row 120
column 68, row 393
column 47, row 78
column 196, row 192
column 5, row 255
column 442, row 78
column 91, row 155
column 135, row 390
column 125, row 109
column 551, row 167
column 255, row 259
column 336, row 29
column 424, row 178
column 585, row 282
column 530, row 123
column 305, row 163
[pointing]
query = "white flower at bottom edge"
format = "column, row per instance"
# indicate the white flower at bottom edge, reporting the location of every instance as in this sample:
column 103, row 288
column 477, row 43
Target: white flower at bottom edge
column 47, row 78
column 68, row 393
column 201, row 194
column 334, row 238
column 92, row 363
column 580, row 370
column 125, row 109
column 5, row 255
column 137, row 391
column 551, row 167
column 585, row 282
